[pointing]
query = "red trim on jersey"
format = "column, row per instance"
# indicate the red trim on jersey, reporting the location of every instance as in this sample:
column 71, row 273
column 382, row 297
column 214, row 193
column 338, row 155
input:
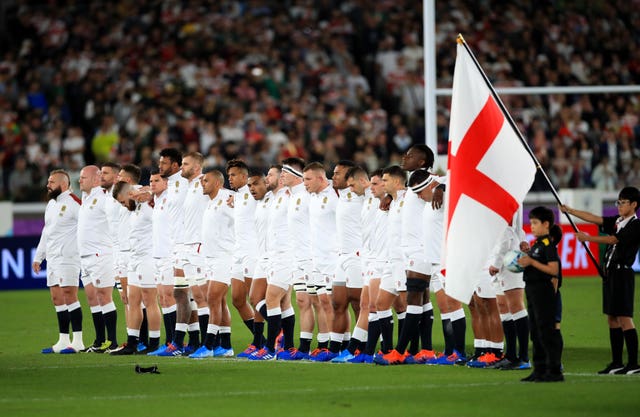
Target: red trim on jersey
column 76, row 198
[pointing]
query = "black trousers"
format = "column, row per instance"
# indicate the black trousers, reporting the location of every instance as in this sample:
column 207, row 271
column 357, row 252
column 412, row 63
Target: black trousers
column 541, row 306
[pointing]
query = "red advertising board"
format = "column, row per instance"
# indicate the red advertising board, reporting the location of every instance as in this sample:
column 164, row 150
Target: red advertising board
column 574, row 258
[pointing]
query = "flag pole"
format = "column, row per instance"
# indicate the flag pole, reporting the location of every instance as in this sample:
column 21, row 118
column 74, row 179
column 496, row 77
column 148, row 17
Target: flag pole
column 462, row 42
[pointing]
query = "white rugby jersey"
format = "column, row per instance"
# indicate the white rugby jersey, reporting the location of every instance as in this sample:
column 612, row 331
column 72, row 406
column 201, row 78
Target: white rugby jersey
column 176, row 192
column 278, row 240
column 348, row 214
column 59, row 239
column 124, row 229
column 368, row 213
column 115, row 212
column 260, row 223
column 322, row 222
column 161, row 236
column 141, row 223
column 244, row 208
column 394, row 227
column 412, row 211
column 218, row 226
column 94, row 232
column 194, row 205
column 298, row 222
column 510, row 240
column 433, row 221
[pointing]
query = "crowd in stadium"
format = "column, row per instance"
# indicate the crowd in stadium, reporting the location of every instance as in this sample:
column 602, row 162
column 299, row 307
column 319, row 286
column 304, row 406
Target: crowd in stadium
column 322, row 80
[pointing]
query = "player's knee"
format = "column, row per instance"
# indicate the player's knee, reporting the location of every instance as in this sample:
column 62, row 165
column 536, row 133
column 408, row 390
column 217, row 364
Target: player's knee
column 416, row 286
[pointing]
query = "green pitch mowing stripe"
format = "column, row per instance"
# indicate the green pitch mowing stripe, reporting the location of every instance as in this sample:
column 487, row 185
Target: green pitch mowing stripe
column 93, row 384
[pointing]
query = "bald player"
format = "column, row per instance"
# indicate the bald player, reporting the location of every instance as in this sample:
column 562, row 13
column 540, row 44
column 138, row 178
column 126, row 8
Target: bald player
column 58, row 245
column 95, row 246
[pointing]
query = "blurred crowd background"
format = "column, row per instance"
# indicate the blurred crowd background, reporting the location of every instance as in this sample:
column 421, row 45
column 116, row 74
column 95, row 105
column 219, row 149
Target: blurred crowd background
column 89, row 82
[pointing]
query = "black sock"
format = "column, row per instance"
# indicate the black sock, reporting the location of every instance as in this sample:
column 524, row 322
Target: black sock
column 288, row 327
column 386, row 330
column 631, row 340
column 76, row 319
column 401, row 324
column 249, row 324
column 459, row 332
column 258, row 334
column 409, row 331
column 345, row 344
column 478, row 352
column 178, row 339
column 263, row 311
column 510, row 338
column 449, row 340
column 274, row 325
column 522, row 330
column 169, row 326
column 616, row 338
column 154, row 342
column 225, row 340
column 353, row 345
column 323, row 345
column 211, row 341
column 373, row 334
column 63, row 321
column 132, row 341
column 98, row 324
column 110, row 322
column 203, row 320
column 305, row 345
column 426, row 326
column 144, row 328
column 194, row 338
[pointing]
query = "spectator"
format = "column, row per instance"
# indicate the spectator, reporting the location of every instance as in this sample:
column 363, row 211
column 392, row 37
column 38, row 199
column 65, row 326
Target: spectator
column 20, row 180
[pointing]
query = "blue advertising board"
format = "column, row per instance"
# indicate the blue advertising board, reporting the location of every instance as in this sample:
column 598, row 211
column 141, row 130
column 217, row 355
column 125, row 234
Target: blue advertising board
column 16, row 257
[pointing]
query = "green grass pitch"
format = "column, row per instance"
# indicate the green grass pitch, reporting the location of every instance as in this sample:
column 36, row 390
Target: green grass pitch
column 89, row 384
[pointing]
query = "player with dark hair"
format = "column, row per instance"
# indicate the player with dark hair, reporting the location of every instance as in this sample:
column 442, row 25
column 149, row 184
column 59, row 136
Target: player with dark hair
column 618, row 285
column 58, row 245
column 245, row 250
column 542, row 264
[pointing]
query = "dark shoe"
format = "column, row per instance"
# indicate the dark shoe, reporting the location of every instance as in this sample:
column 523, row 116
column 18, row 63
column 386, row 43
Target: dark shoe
column 551, row 377
column 611, row 369
column 628, row 370
column 533, row 377
column 124, row 350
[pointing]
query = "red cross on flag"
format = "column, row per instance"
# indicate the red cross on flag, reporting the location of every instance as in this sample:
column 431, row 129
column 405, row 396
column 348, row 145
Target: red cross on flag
column 489, row 173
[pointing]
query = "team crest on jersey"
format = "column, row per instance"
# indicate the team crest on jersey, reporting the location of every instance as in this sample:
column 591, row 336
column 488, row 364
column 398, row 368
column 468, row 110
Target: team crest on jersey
column 177, row 184
column 324, row 200
column 280, row 200
column 370, row 200
column 95, row 200
column 63, row 208
column 246, row 196
column 349, row 196
column 402, row 203
column 219, row 202
column 298, row 202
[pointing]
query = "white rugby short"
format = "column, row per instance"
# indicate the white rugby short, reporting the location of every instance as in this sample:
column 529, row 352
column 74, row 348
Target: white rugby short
column 394, row 278
column 98, row 270
column 219, row 269
column 243, row 266
column 436, row 283
column 193, row 264
column 142, row 272
column 302, row 270
column 164, row 271
column 510, row 280
column 348, row 271
column 261, row 269
column 280, row 272
column 178, row 256
column 64, row 275
column 415, row 260
column 485, row 288
column 122, row 263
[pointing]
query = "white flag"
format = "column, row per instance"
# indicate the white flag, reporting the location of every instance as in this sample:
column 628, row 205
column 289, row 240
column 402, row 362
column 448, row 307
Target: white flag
column 490, row 172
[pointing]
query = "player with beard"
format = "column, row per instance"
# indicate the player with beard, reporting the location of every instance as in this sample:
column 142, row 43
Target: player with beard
column 58, row 245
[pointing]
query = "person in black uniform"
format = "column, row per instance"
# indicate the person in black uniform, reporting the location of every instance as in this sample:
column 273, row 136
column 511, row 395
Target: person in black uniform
column 555, row 232
column 541, row 264
column 618, row 284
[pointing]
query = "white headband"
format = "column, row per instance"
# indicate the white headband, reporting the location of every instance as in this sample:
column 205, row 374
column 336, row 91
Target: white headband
column 292, row 171
column 424, row 184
